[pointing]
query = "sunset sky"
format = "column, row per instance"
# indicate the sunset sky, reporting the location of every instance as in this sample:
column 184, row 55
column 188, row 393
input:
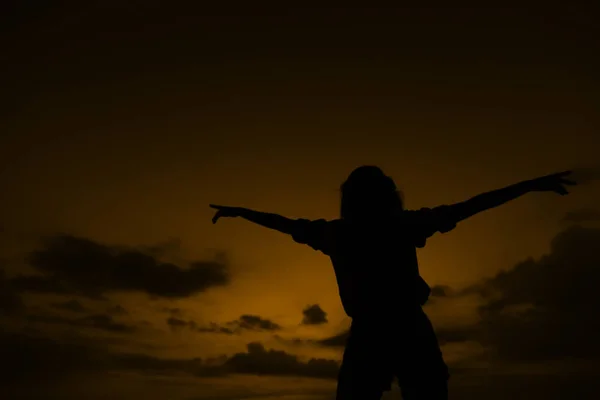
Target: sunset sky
column 120, row 123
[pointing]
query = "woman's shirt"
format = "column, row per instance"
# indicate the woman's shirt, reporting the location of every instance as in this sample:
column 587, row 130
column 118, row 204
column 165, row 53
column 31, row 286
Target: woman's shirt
column 375, row 262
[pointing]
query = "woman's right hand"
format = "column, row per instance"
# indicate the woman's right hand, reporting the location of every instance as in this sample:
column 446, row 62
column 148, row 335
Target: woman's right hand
column 553, row 183
column 225, row 211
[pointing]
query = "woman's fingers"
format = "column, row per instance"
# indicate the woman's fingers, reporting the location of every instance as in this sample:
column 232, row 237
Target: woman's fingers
column 218, row 214
column 568, row 182
column 560, row 189
column 562, row 174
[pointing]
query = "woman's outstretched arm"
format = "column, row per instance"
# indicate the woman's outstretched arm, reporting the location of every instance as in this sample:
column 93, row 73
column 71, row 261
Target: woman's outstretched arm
column 268, row 220
column 315, row 233
column 444, row 218
column 549, row 183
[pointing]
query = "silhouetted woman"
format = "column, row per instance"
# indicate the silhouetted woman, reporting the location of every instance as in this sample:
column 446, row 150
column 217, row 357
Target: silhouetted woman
column 372, row 247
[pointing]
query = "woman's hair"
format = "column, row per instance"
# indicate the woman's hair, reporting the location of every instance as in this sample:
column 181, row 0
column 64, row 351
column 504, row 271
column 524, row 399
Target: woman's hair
column 367, row 193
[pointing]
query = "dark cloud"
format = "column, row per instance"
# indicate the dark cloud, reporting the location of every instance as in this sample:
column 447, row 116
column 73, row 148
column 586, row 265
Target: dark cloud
column 255, row 323
column 244, row 323
column 32, row 361
column 171, row 246
column 314, row 315
column 259, row 361
column 177, row 323
column 216, row 328
column 81, row 266
column 35, row 360
column 10, row 303
column 440, row 291
column 542, row 309
column 10, row 300
column 550, row 305
column 106, row 322
column 176, row 312
column 45, row 285
column 338, row 340
column 293, row 341
column 117, row 310
column 96, row 321
column 451, row 335
column 160, row 366
column 582, row 215
column 71, row 305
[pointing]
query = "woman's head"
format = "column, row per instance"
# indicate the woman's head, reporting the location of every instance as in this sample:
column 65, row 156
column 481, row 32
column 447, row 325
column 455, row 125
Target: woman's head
column 369, row 193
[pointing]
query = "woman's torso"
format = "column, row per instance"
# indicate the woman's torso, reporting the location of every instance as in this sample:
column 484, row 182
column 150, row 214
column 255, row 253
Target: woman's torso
column 376, row 268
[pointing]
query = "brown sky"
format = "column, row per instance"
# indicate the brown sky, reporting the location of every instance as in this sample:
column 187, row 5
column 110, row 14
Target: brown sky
column 120, row 123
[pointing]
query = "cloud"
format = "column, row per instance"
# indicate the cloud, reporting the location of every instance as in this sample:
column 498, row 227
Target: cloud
column 243, row 323
column 259, row 361
column 255, row 323
column 338, row 340
column 582, row 215
column 177, row 323
column 43, row 363
column 453, row 335
column 117, row 310
column 96, row 321
column 314, row 315
column 160, row 366
column 170, row 246
column 541, row 309
column 445, row 335
column 10, row 301
column 440, row 291
column 43, row 284
column 34, row 359
column 71, row 305
column 106, row 322
column 176, row 312
column 70, row 264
